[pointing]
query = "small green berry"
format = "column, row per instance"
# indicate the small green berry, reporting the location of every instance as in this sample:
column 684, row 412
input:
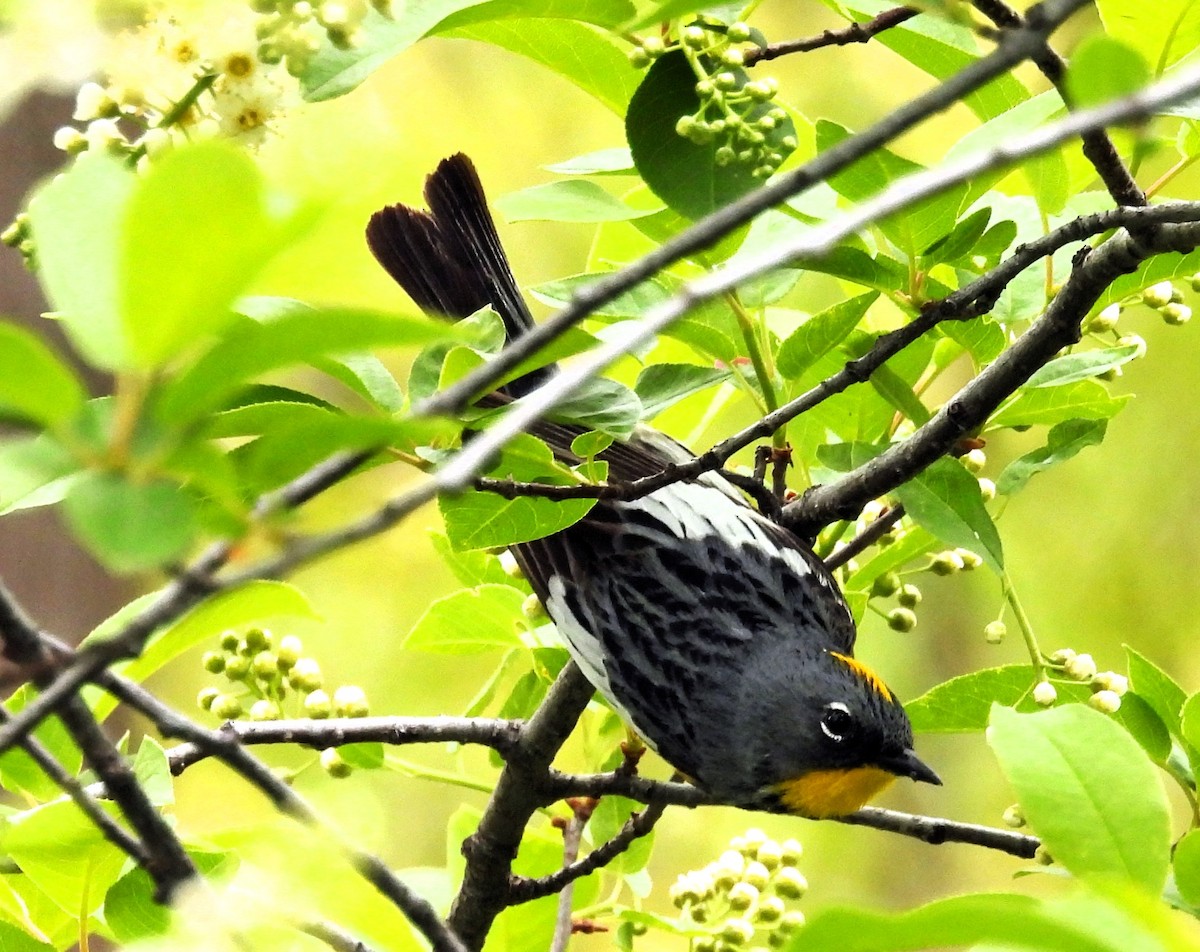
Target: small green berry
column 213, row 662
column 227, row 707
column 770, row 854
column 725, row 81
column 236, row 667
column 334, row 764
column 694, row 37
column 910, row 596
column 733, row 57
column 229, row 641
column 257, row 639
column 206, row 697
column 792, row 851
column 705, row 89
column 791, row 921
column 654, row 46
column 265, row 665
column 1082, row 667
column 684, row 126
column 902, row 619
column 987, row 489
column 885, row 585
column 738, row 32
column 317, row 705
column 724, row 156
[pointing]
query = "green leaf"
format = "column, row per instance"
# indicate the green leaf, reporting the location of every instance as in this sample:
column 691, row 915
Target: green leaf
column 1088, row 790
column 197, row 229
column 255, row 603
column 64, row 854
column 1189, row 720
column 1083, row 366
column 591, row 444
column 660, row 386
column 130, row 526
column 900, row 394
column 603, row 13
column 1101, row 69
column 945, row 500
column 153, row 772
column 820, row 334
column 1158, row 689
column 1186, row 861
column 1162, row 32
column 916, row 228
column 1063, row 441
column 580, row 54
column 975, row 921
column 961, row 240
column 34, row 383
column 251, row 348
column 570, row 200
column 76, row 221
column 607, row 820
column 474, row 566
column 36, row 471
column 963, row 705
column 1082, row 400
column 632, row 303
column 130, row 909
column 19, row 773
column 13, row 939
column 615, row 161
column 367, row 376
column 604, row 405
column 363, row 756
column 684, row 175
column 476, row 520
column 981, row 337
column 470, row 621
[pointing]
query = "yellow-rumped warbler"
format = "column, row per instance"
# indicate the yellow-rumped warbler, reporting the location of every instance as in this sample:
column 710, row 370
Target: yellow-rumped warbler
column 717, row 634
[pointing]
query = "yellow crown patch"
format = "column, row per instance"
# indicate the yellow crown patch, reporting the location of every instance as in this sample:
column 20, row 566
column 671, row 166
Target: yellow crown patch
column 865, row 673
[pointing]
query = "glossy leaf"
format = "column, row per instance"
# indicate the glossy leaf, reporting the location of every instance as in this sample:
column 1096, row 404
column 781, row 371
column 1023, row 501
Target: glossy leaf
column 1103, row 68
column 1063, row 441
column 34, row 471
column 660, row 386
column 1186, row 863
column 1162, row 32
column 76, row 221
column 130, row 526
column 19, row 773
column 822, row 332
column 1082, row 366
column 476, row 520
column 945, row 500
column 604, row 405
column 1082, row 400
column 34, row 383
column 474, row 566
column 615, row 161
column 1088, row 790
column 470, row 621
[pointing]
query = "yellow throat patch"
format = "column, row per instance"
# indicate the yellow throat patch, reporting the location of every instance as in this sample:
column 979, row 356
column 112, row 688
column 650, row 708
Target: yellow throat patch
column 821, row 794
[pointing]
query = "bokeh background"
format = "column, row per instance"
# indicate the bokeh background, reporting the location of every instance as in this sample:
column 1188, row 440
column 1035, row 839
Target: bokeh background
column 1103, row 551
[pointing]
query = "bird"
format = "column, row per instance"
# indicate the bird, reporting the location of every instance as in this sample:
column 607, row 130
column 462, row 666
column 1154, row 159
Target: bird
column 715, row 633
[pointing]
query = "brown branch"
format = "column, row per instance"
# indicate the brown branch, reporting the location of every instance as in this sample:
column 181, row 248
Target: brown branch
column 1098, row 147
column 854, row 33
column 572, row 830
column 867, row 538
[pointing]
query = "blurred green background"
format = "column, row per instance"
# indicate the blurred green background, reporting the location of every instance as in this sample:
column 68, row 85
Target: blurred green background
column 1102, row 550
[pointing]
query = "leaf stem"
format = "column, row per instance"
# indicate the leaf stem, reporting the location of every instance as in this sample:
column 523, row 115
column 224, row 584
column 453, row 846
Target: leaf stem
column 766, row 378
column 1031, row 644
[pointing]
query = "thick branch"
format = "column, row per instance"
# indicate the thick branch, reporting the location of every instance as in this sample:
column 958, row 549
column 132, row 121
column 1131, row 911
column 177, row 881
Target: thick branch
column 854, row 33
column 970, row 408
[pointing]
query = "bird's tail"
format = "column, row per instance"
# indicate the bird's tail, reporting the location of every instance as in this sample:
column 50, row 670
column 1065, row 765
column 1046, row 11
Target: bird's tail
column 449, row 259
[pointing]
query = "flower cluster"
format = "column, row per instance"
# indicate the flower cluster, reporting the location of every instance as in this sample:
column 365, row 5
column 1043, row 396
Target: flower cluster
column 1108, row 687
column 268, row 675
column 735, row 113
column 749, row 892
column 291, row 31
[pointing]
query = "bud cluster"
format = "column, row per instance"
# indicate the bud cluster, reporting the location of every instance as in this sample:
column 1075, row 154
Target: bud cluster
column 266, row 674
column 1108, row 687
column 290, row 31
column 747, row 895
column 735, row 113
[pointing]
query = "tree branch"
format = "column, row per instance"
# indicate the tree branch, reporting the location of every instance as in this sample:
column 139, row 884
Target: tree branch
column 854, row 33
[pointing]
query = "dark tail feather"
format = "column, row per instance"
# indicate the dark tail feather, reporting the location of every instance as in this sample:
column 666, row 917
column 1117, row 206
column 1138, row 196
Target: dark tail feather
column 449, row 259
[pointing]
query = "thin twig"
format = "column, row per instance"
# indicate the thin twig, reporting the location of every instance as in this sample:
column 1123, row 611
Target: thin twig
column 572, row 831
column 867, row 538
column 854, row 33
column 333, row 936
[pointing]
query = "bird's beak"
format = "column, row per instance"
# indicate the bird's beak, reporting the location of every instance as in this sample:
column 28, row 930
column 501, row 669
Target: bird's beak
column 908, row 764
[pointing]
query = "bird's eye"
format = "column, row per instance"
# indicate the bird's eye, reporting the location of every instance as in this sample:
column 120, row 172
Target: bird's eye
column 836, row 722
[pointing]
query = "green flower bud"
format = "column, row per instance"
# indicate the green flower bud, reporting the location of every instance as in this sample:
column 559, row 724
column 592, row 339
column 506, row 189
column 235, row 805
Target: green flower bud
column 738, row 32
column 756, row 874
column 229, row 641
column 1042, row 857
column 791, row 921
column 1062, row 656
column 306, row 675
column 987, row 489
column 790, row 883
column 654, row 46
column 733, row 57
column 236, row 667
column 725, row 81
column 532, row 609
column 683, row 892
column 724, row 156
column 970, row 560
column 910, row 596
column 736, row 932
column 994, row 632
column 1105, row 321
column 742, row 896
column 334, row 764
column 317, row 705
column 256, row 640
column 1111, row 681
column 885, row 585
column 264, row 710
column 1176, row 314
column 946, row 563
column 902, row 619
column 770, row 909
column 350, row 701
column 1014, row 817
column 265, row 665
column 1044, row 693
column 290, row 650
column 704, row 943
column 792, row 851
column 213, row 662
column 226, row 707
column 705, row 89
column 1082, row 667
column 206, row 697
column 70, row 140
column 684, row 126
column 1195, row 281
column 1133, row 340
column 694, row 37
column 1107, row 702
column 974, row 461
